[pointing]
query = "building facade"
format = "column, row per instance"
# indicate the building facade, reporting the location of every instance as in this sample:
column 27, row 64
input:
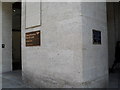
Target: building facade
column 64, row 45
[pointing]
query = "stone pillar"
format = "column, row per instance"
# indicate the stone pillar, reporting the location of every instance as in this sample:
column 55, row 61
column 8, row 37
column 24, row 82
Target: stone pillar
column 66, row 56
column 7, row 36
column 95, row 56
column 0, row 37
column 0, row 44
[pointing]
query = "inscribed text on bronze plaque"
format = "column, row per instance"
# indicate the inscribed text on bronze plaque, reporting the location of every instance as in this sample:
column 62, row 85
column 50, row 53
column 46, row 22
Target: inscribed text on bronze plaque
column 33, row 38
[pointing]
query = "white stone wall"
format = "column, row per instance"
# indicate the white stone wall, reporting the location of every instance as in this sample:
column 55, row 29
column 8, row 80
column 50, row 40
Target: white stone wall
column 0, row 37
column 58, row 61
column 95, row 57
column 32, row 19
column 7, row 37
column 67, row 57
column 0, row 44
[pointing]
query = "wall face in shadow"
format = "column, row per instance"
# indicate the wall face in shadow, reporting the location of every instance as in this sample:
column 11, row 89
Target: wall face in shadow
column 7, row 37
column 16, row 50
column 113, row 19
column 16, row 36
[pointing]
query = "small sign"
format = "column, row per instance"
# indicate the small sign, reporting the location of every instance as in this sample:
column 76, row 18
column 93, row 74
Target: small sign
column 33, row 38
column 96, row 37
column 3, row 45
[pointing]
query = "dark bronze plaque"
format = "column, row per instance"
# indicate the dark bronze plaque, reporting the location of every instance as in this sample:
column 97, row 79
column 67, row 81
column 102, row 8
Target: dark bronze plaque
column 96, row 37
column 33, row 38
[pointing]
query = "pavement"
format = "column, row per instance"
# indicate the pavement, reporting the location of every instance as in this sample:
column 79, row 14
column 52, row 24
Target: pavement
column 114, row 79
column 14, row 80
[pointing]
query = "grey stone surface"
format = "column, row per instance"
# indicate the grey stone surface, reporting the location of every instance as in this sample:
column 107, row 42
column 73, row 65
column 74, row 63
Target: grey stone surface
column 0, row 44
column 67, row 56
column 13, row 80
column 58, row 61
column 95, row 57
column 114, row 80
column 7, row 37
